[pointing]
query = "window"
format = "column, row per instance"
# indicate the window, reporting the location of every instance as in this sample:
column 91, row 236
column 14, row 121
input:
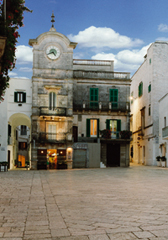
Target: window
column 92, row 127
column 132, row 94
column 52, row 100
column 94, row 97
column 140, row 89
column 22, row 145
column 164, row 122
column 114, row 98
column 20, row 97
column 114, row 126
column 150, row 61
column 149, row 110
column 23, row 130
column 51, row 131
column 143, row 120
column 149, row 88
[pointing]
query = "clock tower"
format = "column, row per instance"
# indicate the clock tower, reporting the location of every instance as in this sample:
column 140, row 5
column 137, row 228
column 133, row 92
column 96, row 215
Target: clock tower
column 52, row 100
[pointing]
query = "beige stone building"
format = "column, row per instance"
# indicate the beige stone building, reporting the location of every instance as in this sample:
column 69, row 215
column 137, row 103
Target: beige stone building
column 72, row 101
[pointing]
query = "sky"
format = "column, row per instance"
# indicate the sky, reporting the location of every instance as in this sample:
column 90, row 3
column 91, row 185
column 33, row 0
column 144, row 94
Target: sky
column 116, row 30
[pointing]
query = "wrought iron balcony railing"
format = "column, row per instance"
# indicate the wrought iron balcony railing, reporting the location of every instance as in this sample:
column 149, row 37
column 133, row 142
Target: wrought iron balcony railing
column 165, row 132
column 53, row 111
column 52, row 137
column 103, row 106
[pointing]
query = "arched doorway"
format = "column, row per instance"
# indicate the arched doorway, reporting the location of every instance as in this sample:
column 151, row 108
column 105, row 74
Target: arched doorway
column 19, row 138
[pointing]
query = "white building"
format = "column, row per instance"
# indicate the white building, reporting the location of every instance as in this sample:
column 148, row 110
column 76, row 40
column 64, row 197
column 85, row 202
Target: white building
column 149, row 85
column 15, row 114
column 163, row 126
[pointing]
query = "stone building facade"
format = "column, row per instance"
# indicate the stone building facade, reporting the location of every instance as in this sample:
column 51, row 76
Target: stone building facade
column 72, row 100
column 149, row 85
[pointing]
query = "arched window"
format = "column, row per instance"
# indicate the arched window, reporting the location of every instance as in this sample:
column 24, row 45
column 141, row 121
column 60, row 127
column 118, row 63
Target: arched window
column 52, row 100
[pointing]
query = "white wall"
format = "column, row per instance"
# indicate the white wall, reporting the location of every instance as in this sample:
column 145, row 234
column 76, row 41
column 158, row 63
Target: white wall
column 153, row 71
column 15, row 115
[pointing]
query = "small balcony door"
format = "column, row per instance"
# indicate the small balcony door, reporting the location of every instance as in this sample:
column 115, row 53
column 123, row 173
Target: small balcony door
column 51, row 132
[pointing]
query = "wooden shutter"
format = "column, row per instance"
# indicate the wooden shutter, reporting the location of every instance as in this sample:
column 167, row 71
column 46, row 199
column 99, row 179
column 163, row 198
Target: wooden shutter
column 113, row 95
column 24, row 97
column 87, row 127
column 108, row 124
column 98, row 124
column 15, row 96
column 94, row 97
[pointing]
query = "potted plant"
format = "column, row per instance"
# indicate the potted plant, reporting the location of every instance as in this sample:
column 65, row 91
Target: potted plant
column 106, row 133
column 158, row 158
column 163, row 159
column 125, row 134
column 27, row 164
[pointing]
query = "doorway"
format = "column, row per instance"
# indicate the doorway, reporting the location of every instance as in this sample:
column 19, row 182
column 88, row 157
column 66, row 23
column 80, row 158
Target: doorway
column 113, row 155
column 8, row 159
column 75, row 133
column 51, row 158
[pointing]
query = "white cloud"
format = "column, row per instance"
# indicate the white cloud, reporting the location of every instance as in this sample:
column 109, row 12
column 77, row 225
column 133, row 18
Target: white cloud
column 162, row 39
column 12, row 74
column 163, row 28
column 126, row 60
column 103, row 38
column 21, row 77
column 25, row 69
column 24, row 54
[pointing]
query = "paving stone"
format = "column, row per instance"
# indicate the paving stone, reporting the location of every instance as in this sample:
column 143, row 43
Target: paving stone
column 122, row 236
column 144, row 234
column 60, row 232
column 98, row 237
column 85, row 204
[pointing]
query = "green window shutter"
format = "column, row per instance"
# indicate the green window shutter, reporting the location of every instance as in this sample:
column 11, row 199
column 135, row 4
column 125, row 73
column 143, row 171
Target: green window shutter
column 15, row 96
column 24, row 97
column 96, row 94
column 113, row 95
column 108, row 124
column 141, row 88
column 94, row 97
column 114, row 98
column 118, row 127
column 87, row 127
column 98, row 124
column 149, row 88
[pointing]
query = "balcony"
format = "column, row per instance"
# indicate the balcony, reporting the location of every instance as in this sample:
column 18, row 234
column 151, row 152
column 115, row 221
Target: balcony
column 100, row 75
column 165, row 132
column 52, row 137
column 101, row 106
column 56, row 111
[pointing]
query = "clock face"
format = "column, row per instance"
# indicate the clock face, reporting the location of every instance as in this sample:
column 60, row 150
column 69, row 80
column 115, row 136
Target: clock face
column 53, row 52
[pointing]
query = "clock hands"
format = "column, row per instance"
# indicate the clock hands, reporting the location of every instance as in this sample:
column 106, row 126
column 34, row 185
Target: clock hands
column 52, row 51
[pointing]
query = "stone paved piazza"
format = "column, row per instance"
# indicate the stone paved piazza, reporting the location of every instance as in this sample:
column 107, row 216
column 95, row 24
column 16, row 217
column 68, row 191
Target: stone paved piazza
column 88, row 204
